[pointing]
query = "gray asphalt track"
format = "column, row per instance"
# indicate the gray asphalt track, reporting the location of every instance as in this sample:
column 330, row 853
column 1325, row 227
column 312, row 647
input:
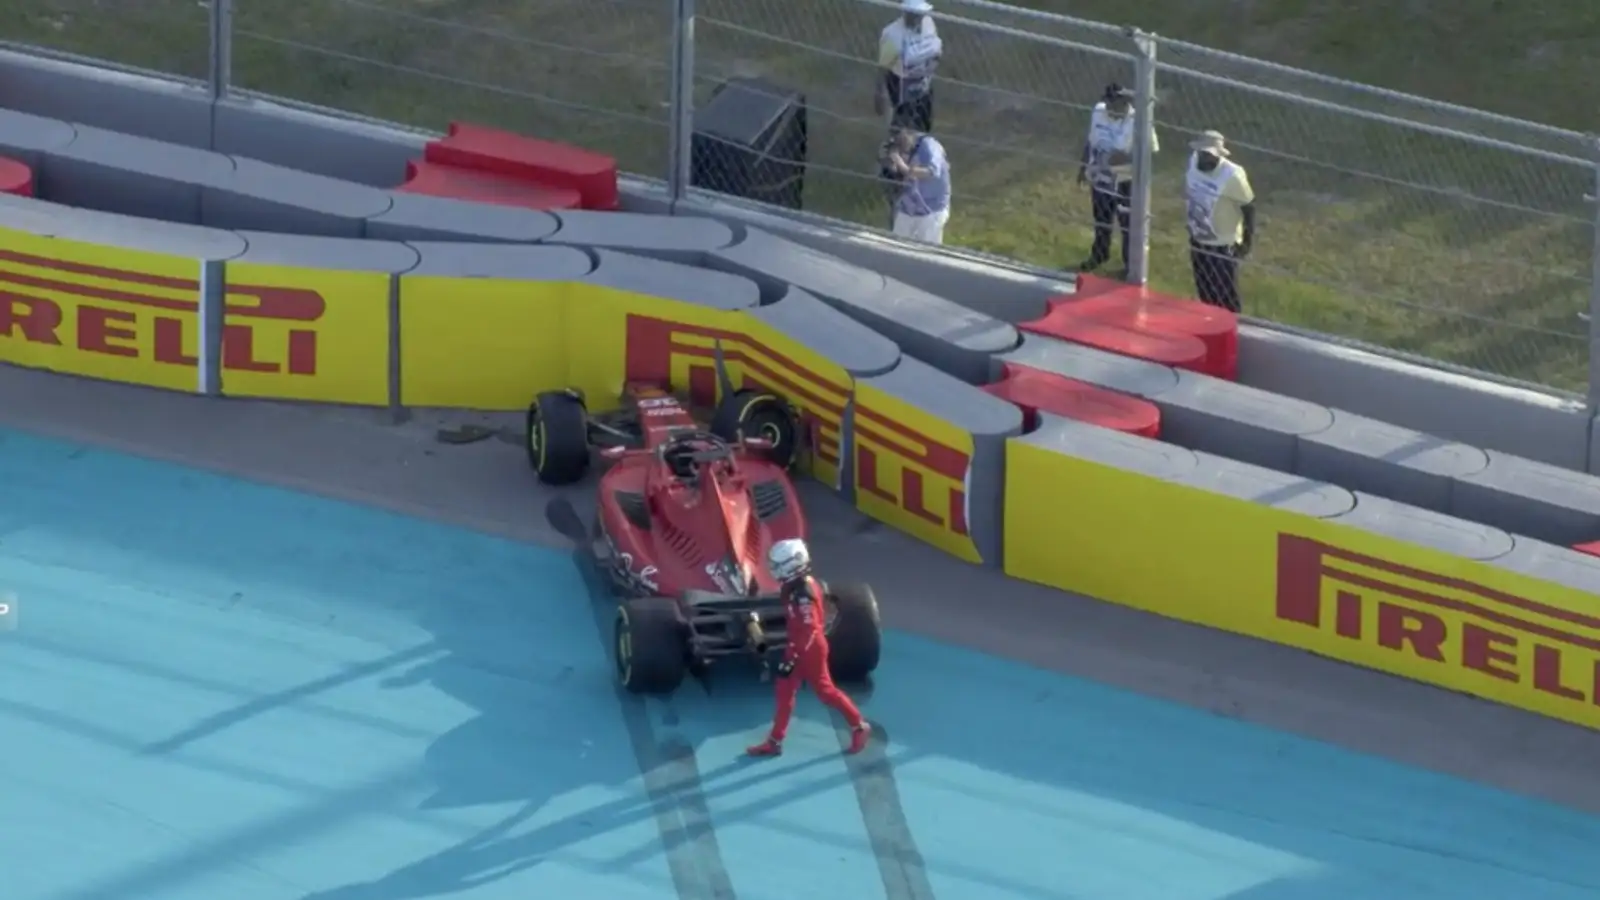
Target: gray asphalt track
column 358, row 455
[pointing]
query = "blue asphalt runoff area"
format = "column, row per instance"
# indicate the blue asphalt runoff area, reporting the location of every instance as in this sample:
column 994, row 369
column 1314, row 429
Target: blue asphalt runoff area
column 222, row 690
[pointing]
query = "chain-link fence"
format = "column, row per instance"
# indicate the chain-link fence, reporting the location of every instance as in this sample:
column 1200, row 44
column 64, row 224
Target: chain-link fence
column 1390, row 220
column 1420, row 227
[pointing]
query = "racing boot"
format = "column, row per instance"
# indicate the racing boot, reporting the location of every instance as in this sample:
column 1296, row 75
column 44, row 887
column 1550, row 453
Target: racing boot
column 769, row 747
column 858, row 738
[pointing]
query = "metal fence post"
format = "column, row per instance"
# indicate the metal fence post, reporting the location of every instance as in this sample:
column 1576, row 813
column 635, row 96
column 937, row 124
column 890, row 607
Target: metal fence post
column 680, row 131
column 221, row 73
column 1144, row 129
column 1592, row 314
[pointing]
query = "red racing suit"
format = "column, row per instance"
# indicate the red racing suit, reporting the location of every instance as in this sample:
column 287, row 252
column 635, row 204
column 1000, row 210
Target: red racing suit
column 808, row 654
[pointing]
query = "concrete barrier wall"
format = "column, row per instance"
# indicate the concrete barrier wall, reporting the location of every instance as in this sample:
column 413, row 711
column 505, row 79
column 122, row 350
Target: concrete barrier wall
column 285, row 266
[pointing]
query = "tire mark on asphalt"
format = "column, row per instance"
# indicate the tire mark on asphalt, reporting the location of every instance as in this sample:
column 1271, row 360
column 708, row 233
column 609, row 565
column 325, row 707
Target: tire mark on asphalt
column 670, row 772
column 894, row 846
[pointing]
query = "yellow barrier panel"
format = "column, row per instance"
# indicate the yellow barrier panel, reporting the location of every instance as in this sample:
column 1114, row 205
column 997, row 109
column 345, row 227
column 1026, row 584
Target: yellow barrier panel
column 1339, row 592
column 912, row 471
column 481, row 343
column 619, row 336
column 306, row 334
column 100, row 312
column 683, row 350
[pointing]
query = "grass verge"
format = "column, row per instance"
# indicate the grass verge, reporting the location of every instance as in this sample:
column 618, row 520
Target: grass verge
column 1370, row 231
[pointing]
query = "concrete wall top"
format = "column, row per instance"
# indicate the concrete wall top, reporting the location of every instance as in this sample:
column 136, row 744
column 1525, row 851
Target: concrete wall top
column 334, row 254
column 361, row 152
column 1445, row 404
column 418, row 217
column 824, row 330
column 508, row 261
column 658, row 278
column 118, row 101
column 683, row 239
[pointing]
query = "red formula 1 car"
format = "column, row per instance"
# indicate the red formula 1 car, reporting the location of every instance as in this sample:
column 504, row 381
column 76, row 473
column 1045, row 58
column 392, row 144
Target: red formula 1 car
column 686, row 515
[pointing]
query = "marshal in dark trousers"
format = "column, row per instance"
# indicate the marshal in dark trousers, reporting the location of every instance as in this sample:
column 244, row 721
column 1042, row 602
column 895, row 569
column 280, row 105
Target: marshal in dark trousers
column 1222, row 220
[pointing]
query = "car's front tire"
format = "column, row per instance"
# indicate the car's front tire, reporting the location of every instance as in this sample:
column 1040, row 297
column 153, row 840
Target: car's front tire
column 651, row 645
column 758, row 414
column 557, row 437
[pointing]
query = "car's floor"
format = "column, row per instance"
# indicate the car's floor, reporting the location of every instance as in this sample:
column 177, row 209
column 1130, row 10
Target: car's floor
column 223, row 689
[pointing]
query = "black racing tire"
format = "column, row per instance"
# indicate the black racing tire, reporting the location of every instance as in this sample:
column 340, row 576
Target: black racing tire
column 650, row 644
column 855, row 643
column 557, row 438
column 759, row 414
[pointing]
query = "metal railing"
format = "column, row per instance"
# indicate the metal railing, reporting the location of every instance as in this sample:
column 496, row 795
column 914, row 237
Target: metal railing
column 1433, row 230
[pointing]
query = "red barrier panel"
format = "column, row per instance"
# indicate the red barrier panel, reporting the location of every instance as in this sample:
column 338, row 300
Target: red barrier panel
column 423, row 177
column 1134, row 321
column 514, row 156
column 16, row 177
column 1036, row 391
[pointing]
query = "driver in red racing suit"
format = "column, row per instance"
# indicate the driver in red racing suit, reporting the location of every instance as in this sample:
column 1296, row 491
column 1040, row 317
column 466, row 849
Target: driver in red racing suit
column 806, row 658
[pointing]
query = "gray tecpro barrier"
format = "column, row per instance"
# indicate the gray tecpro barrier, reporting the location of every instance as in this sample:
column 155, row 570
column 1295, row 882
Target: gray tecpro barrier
column 1238, row 421
column 684, row 240
column 507, row 261
column 1135, row 377
column 259, row 196
column 1154, row 459
column 988, row 421
column 1379, row 458
column 1557, row 565
column 1458, row 537
column 418, row 217
column 134, row 176
column 1268, row 487
column 30, row 138
column 658, row 278
column 957, row 340
column 818, row 327
column 1533, row 499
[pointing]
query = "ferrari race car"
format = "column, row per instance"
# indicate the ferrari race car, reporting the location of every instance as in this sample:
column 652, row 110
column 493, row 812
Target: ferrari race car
column 686, row 515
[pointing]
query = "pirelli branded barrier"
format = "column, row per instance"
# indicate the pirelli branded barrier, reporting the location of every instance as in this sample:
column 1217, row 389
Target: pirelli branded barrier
column 1434, row 561
column 1348, row 575
column 487, row 325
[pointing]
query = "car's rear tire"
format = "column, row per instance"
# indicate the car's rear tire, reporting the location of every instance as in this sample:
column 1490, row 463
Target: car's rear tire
column 650, row 645
column 758, row 414
column 557, row 437
column 855, row 643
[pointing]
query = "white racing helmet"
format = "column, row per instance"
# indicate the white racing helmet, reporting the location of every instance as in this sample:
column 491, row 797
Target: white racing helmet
column 789, row 559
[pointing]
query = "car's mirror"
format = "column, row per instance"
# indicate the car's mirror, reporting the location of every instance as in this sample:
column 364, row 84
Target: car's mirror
column 613, row 452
